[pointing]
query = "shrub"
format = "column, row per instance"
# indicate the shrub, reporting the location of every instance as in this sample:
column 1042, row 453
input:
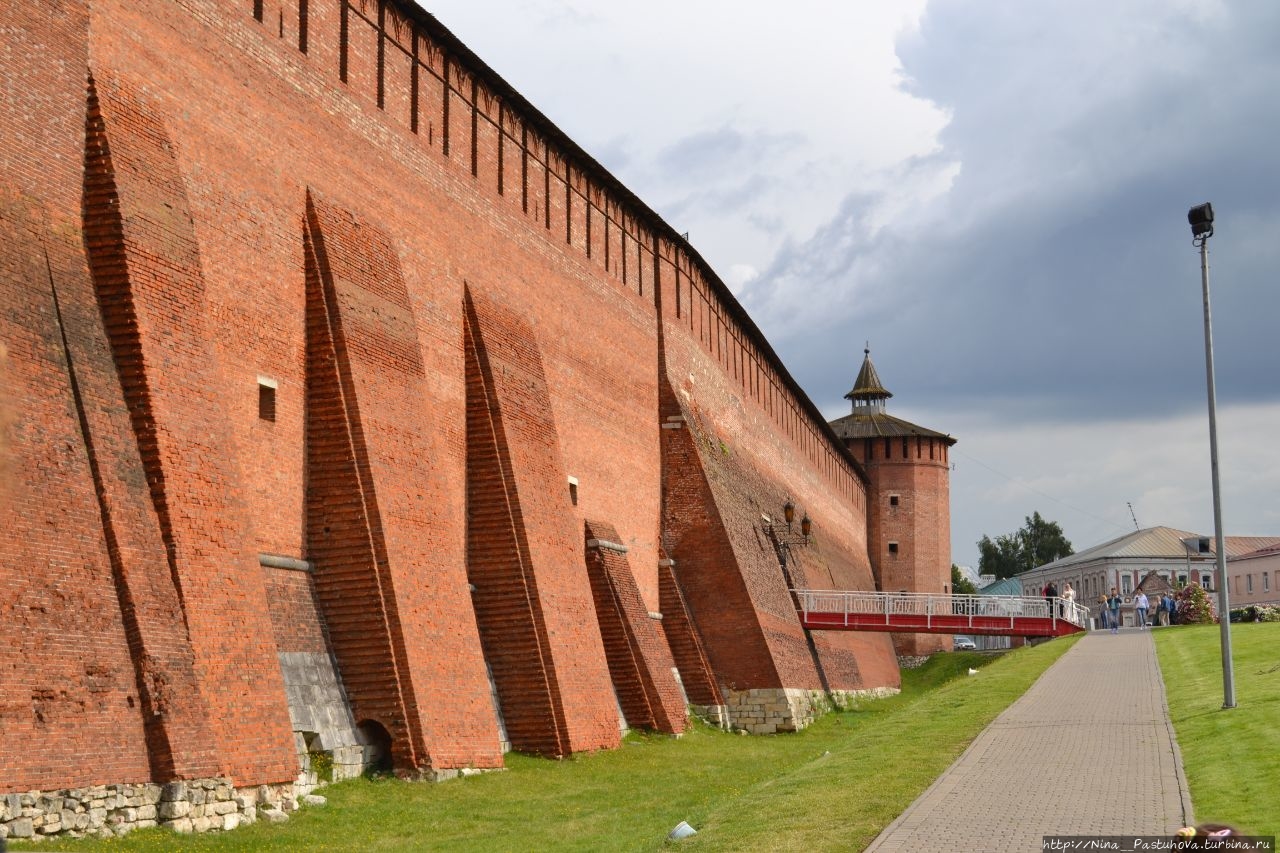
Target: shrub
column 1194, row 606
column 1255, row 613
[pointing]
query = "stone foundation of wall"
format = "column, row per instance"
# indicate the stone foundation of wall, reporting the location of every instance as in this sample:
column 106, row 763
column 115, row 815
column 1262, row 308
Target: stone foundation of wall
column 770, row 710
column 713, row 715
column 104, row 811
column 320, row 766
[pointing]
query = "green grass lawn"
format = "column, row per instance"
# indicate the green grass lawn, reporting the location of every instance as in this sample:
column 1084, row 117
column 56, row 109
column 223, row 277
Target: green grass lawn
column 1232, row 757
column 833, row 786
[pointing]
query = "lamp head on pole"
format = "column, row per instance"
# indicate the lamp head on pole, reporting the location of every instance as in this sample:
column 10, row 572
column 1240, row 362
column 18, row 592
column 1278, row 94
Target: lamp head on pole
column 789, row 512
column 1201, row 219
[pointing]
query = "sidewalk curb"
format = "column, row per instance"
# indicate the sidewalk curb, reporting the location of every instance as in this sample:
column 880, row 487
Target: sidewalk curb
column 1184, row 792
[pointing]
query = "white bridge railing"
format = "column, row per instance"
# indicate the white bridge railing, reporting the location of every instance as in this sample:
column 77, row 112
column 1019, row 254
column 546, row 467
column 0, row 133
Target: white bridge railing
column 930, row 605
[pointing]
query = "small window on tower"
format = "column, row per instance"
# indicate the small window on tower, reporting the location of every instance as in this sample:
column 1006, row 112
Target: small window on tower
column 893, row 548
column 266, row 399
column 573, row 490
column 893, row 500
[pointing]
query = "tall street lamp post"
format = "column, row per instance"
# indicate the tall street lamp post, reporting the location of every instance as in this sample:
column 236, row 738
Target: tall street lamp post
column 1201, row 219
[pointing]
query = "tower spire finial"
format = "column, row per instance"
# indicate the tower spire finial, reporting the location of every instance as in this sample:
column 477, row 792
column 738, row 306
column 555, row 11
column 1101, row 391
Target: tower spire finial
column 868, row 394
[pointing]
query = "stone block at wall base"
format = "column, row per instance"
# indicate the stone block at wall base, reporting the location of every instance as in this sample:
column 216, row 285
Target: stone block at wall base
column 105, row 811
column 788, row 709
column 716, row 716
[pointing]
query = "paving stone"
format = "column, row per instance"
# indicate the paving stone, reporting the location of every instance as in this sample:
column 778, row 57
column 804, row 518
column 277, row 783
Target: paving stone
column 1088, row 750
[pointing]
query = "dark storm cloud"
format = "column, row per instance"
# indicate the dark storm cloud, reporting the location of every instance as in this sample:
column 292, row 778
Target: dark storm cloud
column 1057, row 280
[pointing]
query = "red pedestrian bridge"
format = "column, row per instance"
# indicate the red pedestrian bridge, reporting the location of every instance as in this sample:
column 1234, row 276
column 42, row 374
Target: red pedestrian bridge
column 928, row 613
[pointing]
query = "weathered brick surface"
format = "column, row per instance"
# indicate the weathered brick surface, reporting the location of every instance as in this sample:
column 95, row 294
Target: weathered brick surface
column 302, row 194
column 99, row 651
column 725, row 470
column 148, row 275
column 532, row 597
column 639, row 658
column 295, row 614
column 408, row 650
column 68, row 696
column 696, row 674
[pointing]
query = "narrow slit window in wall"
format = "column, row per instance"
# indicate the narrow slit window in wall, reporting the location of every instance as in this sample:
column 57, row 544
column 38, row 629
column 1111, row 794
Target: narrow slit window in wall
column 573, row 490
column 266, row 399
column 893, row 548
column 893, row 500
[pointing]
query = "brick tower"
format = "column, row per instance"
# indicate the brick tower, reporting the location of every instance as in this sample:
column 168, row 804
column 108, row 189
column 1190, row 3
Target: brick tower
column 908, row 500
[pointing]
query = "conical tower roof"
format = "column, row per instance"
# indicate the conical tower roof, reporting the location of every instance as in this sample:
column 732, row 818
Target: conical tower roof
column 868, row 386
column 869, row 418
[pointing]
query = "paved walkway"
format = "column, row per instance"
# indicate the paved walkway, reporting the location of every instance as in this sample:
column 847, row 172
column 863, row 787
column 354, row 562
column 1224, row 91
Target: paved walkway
column 1088, row 750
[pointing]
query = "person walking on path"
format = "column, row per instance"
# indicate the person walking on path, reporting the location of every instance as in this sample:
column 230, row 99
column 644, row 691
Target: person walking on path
column 1141, row 605
column 1113, row 610
column 1166, row 609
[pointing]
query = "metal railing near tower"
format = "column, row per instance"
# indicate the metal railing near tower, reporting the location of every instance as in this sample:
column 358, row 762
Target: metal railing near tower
column 929, row 613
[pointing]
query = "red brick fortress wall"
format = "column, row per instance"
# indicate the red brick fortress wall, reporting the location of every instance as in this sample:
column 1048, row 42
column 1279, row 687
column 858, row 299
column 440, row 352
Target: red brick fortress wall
column 739, row 441
column 100, row 683
column 408, row 649
column 727, row 468
column 308, row 280
column 636, row 647
column 532, row 596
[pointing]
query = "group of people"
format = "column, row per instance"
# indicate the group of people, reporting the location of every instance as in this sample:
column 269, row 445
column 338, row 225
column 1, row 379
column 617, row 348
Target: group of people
column 1068, row 596
column 1109, row 605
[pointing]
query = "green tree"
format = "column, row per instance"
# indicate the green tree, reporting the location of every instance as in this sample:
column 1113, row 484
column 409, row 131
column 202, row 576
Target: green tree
column 1002, row 558
column 1043, row 541
column 961, row 585
column 1036, row 543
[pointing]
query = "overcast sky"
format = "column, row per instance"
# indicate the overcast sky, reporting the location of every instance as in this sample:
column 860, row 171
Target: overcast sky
column 993, row 193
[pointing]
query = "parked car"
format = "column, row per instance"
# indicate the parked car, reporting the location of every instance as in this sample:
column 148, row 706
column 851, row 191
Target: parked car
column 964, row 644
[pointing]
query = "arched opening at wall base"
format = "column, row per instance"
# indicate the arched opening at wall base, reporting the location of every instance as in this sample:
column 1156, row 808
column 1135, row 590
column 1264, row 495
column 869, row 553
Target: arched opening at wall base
column 376, row 740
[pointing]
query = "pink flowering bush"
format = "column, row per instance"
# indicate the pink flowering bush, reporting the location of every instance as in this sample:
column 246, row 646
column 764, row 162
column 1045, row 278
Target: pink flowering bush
column 1193, row 605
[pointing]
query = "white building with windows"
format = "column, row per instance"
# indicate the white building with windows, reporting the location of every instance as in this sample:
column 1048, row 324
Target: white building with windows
column 1178, row 556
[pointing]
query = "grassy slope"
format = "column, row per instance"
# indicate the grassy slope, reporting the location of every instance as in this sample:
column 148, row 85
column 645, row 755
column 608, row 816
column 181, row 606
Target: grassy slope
column 1232, row 757
column 833, row 786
